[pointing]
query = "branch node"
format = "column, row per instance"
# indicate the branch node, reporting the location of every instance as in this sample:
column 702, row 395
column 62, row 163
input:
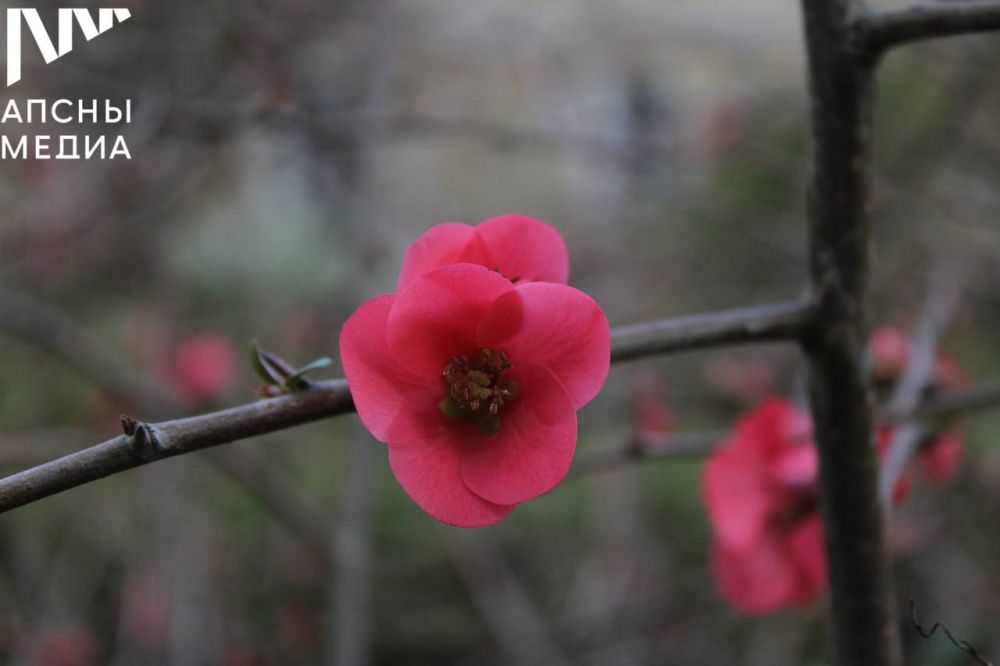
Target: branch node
column 129, row 425
column 143, row 438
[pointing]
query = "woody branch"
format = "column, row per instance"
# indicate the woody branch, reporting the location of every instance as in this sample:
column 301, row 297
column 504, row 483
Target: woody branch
column 143, row 443
column 844, row 40
column 879, row 31
column 841, row 90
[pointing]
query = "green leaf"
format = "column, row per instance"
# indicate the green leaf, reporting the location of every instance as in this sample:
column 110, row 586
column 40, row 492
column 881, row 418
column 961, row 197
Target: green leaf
column 297, row 381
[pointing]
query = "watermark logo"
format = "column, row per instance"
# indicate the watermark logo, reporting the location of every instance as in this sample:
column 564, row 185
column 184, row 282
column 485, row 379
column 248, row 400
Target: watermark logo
column 84, row 128
column 68, row 17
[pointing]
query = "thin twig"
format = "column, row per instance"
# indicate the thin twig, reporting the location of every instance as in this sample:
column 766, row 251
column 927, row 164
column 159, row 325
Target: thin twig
column 46, row 328
column 964, row 646
column 761, row 323
column 351, row 560
column 516, row 624
column 143, row 443
column 953, row 403
column 331, row 398
column 57, row 334
column 942, row 299
column 257, row 479
column 926, row 20
column 642, row 448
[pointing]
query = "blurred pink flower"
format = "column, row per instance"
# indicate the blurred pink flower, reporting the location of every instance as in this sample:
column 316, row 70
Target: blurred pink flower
column 747, row 382
column 241, row 656
column 204, row 367
column 69, row 646
column 519, row 248
column 474, row 384
column 940, row 453
column 298, row 627
column 762, row 495
column 146, row 612
column 651, row 413
column 941, row 456
column 891, row 348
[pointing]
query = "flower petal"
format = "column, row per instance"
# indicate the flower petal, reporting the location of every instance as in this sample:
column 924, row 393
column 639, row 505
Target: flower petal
column 942, row 457
column 436, row 316
column 556, row 326
column 756, row 580
column 424, row 454
column 805, row 548
column 535, row 445
column 442, row 245
column 735, row 491
column 379, row 387
column 525, row 248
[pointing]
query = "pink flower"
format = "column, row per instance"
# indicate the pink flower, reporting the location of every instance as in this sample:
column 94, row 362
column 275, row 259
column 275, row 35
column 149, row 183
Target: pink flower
column 146, row 611
column 204, row 367
column 651, row 413
column 941, row 456
column 940, row 453
column 519, row 248
column 762, row 495
column 474, row 383
column 891, row 348
column 70, row 646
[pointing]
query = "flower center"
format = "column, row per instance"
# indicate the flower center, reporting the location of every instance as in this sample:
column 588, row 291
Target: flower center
column 514, row 280
column 799, row 503
column 478, row 388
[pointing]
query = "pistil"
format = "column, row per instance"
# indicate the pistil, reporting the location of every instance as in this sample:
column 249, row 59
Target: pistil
column 478, row 388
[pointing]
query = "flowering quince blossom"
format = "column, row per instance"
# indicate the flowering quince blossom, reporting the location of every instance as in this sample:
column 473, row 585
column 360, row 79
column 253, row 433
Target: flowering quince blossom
column 519, row 248
column 204, row 367
column 762, row 495
column 940, row 453
column 473, row 381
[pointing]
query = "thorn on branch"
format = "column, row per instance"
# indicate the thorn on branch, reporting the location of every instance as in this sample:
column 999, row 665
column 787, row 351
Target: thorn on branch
column 964, row 646
column 143, row 438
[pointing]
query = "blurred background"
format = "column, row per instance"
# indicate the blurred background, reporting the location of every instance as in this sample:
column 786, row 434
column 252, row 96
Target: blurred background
column 284, row 156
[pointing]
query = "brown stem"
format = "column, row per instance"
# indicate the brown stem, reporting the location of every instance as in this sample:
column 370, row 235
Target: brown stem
column 841, row 87
column 926, row 20
column 57, row 334
column 144, row 443
column 760, row 323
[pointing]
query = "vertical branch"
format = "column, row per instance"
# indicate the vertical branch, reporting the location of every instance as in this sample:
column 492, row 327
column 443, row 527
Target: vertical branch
column 350, row 561
column 841, row 89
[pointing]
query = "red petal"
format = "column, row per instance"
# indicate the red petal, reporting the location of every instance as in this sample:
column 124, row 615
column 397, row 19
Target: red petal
column 756, row 580
column 805, row 548
column 441, row 245
column 424, row 453
column 436, row 316
column 522, row 247
column 735, row 490
column 797, row 466
column 378, row 385
column 942, row 457
column 535, row 445
column 556, row 326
